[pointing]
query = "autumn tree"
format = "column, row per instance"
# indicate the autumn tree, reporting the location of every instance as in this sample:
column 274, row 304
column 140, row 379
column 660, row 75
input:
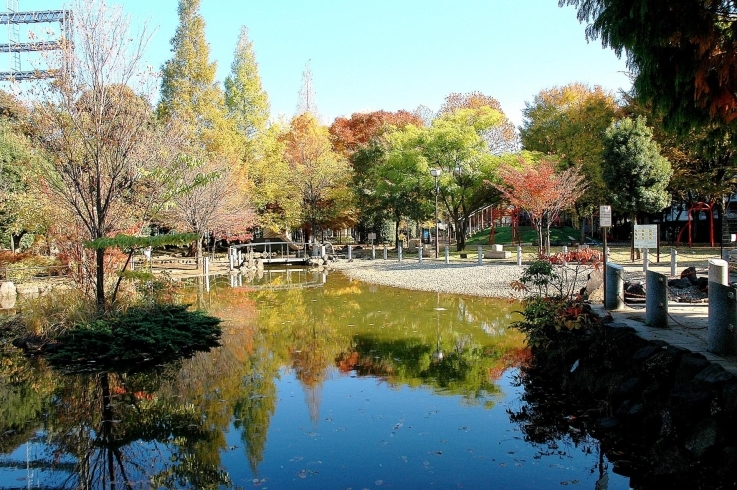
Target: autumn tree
column 245, row 98
column 317, row 172
column 542, row 190
column 635, row 173
column 570, row 122
column 94, row 127
column 683, row 53
column 211, row 203
column 189, row 92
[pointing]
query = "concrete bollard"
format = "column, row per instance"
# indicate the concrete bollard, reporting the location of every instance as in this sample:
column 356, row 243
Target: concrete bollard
column 656, row 300
column 240, row 257
column 350, row 250
column 718, row 271
column 373, row 252
column 645, row 263
column 447, row 254
column 385, row 252
column 480, row 254
column 231, row 258
column 322, row 252
column 564, row 251
column 673, row 262
column 721, row 336
column 206, row 265
column 519, row 255
column 614, row 299
column 399, row 252
column 419, row 254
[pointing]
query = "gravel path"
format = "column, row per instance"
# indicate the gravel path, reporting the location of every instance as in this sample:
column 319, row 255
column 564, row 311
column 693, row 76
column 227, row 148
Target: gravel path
column 492, row 280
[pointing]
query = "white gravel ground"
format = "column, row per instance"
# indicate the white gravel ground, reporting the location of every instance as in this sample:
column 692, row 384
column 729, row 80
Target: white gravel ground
column 492, row 280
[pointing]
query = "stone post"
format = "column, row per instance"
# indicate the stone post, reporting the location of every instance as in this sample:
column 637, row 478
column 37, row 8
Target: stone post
column 718, row 271
column 656, row 299
column 419, row 254
column 373, row 252
column 322, row 252
column 565, row 252
column 721, row 337
column 645, row 263
column 480, row 254
column 231, row 252
column 206, row 266
column 399, row 252
column 385, row 252
column 614, row 299
column 447, row 255
column 519, row 255
column 349, row 252
column 673, row 262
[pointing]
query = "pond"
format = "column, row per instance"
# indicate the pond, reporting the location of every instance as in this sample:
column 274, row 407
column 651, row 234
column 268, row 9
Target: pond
column 321, row 382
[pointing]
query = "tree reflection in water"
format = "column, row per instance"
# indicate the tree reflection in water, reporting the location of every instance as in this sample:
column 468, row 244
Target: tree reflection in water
column 167, row 427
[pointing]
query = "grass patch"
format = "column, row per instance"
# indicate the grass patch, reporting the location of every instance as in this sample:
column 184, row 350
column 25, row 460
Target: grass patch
column 503, row 234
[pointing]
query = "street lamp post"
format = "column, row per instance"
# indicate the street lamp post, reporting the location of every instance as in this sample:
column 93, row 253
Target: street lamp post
column 435, row 172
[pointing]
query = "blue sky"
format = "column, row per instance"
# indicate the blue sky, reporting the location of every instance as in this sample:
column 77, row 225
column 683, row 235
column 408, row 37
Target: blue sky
column 391, row 54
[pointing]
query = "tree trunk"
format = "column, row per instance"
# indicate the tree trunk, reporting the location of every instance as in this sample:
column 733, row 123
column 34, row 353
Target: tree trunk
column 461, row 235
column 396, row 232
column 100, row 279
column 633, row 218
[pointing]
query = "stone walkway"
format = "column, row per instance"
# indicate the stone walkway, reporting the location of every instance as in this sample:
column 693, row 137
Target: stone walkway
column 687, row 324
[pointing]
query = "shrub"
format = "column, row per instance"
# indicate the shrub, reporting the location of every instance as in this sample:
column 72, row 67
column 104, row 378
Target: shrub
column 555, row 307
column 157, row 333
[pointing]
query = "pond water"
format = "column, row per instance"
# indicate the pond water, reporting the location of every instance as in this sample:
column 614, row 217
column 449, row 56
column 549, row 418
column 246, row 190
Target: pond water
column 321, row 382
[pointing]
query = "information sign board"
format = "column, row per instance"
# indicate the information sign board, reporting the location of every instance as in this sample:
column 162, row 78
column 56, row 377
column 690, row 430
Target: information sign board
column 646, row 236
column 605, row 216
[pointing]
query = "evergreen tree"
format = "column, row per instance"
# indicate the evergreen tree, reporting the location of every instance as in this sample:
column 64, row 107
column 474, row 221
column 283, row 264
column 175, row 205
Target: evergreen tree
column 636, row 175
column 247, row 102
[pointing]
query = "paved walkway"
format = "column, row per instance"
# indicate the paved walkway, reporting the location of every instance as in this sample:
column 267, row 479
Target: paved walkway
column 687, row 324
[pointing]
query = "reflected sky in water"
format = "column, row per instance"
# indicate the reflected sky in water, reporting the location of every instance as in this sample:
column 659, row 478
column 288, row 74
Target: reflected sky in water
column 321, row 382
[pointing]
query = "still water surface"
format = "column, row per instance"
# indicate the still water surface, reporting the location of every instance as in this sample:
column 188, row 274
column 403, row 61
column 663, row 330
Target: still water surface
column 328, row 385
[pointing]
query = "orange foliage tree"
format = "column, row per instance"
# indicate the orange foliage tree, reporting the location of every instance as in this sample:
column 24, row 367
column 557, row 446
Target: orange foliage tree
column 348, row 135
column 541, row 190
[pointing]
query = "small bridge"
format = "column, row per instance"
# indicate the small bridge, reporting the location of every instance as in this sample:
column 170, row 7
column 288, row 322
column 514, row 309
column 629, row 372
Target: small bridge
column 273, row 252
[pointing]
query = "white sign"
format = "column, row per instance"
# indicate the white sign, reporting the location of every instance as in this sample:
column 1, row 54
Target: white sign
column 646, row 236
column 372, row 236
column 605, row 216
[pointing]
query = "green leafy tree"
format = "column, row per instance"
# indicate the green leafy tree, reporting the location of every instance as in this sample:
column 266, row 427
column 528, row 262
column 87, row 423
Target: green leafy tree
column 23, row 208
column 400, row 183
column 635, row 173
column 570, row 122
column 456, row 145
column 362, row 139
